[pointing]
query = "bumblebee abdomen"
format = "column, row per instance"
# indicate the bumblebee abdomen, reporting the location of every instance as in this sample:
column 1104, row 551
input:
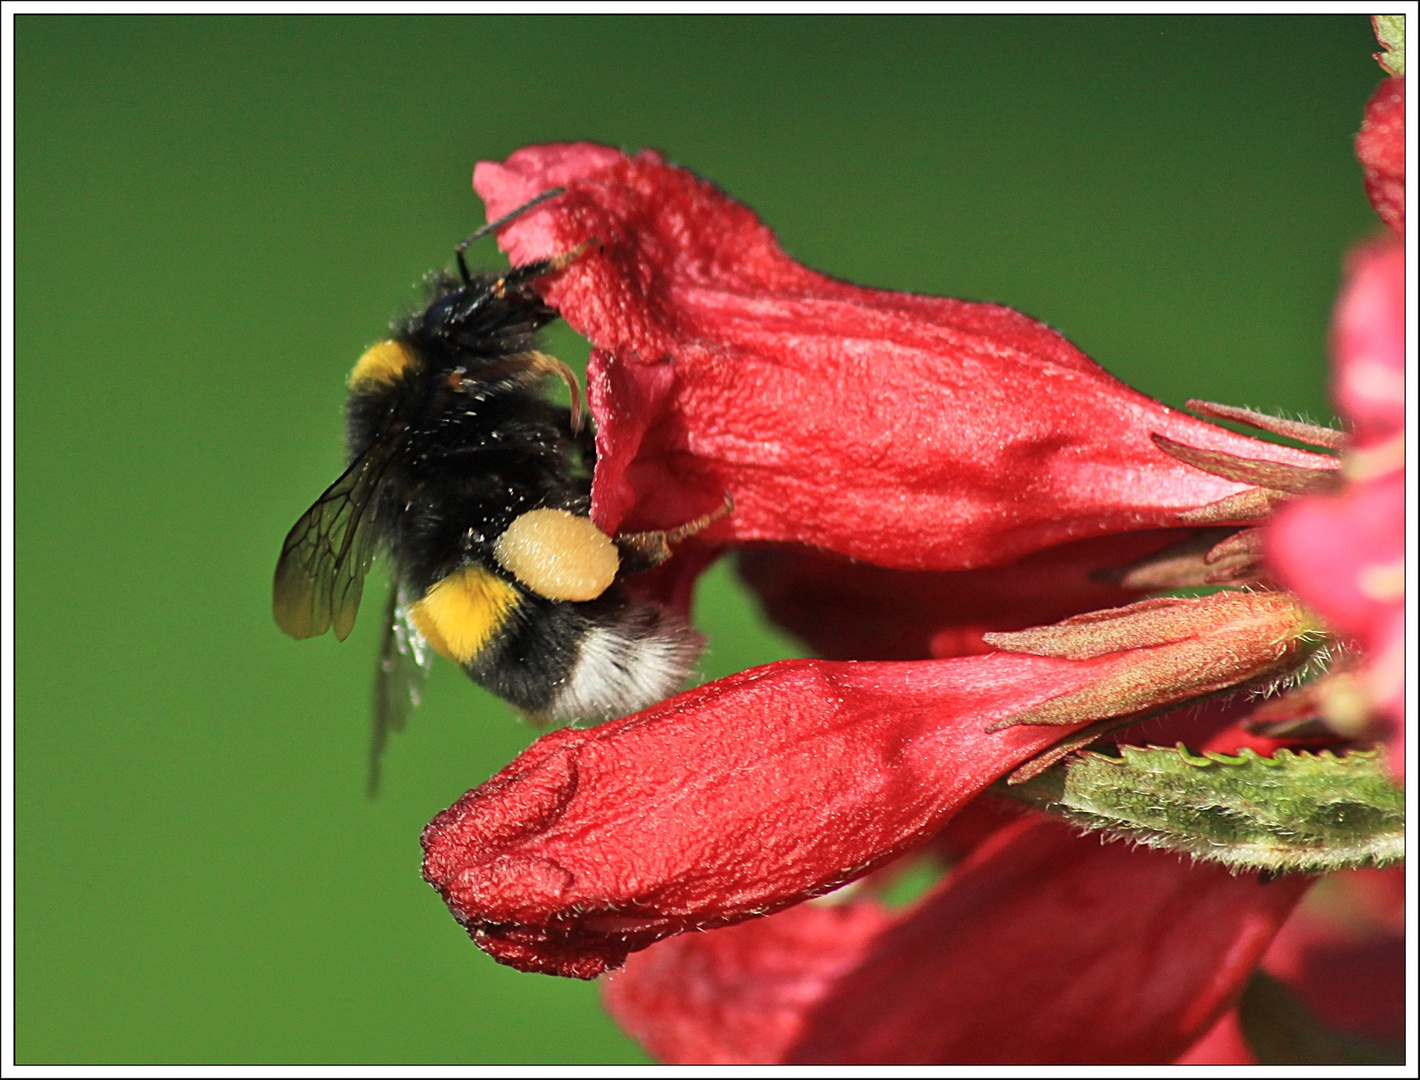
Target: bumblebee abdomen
column 463, row 613
column 561, row 660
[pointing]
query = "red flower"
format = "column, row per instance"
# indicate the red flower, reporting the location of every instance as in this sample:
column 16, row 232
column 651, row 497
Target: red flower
column 982, row 472
column 761, row 790
column 1345, row 553
column 906, row 431
column 948, row 434
column 1041, row 947
column 1331, row 989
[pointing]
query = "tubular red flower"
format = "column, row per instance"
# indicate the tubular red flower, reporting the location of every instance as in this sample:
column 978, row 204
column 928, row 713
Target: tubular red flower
column 1381, row 148
column 948, row 434
column 1042, row 947
column 781, row 783
column 730, row 801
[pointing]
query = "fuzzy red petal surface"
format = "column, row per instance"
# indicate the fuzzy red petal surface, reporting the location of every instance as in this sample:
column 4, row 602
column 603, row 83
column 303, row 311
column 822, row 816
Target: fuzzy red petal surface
column 907, row 431
column 1381, row 148
column 1368, row 341
column 1043, row 947
column 848, row 610
column 731, row 801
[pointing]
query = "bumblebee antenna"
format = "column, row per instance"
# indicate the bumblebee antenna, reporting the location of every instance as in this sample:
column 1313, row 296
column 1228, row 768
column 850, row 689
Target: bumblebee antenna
column 551, row 193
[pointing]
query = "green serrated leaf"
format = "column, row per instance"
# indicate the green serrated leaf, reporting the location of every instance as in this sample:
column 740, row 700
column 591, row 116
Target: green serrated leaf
column 1390, row 32
column 1295, row 812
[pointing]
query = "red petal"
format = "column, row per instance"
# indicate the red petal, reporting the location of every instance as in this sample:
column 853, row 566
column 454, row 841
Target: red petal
column 1344, row 955
column 1381, row 148
column 1368, row 341
column 742, row 995
column 908, row 431
column 855, row 611
column 1224, row 1044
column 730, row 801
column 1043, row 947
column 1343, row 554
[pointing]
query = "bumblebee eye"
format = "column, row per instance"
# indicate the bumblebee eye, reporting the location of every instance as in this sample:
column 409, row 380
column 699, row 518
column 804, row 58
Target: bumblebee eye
column 382, row 363
column 558, row 555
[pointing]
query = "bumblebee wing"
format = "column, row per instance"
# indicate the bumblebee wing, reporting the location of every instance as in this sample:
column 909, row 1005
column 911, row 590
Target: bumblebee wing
column 399, row 680
column 327, row 553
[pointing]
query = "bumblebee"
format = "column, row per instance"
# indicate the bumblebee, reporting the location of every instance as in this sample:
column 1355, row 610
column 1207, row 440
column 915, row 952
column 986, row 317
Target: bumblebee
column 478, row 489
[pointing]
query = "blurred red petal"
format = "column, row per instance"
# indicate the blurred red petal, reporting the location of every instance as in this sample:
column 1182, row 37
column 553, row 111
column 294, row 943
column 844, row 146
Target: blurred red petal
column 1343, row 554
column 1385, row 678
column 1224, row 1044
column 1042, row 947
column 1344, row 956
column 1368, row 341
column 907, row 431
column 1381, row 148
column 846, row 610
column 743, row 995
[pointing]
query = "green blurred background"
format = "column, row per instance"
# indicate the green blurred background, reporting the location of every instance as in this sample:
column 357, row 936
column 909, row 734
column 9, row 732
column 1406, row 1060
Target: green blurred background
column 215, row 215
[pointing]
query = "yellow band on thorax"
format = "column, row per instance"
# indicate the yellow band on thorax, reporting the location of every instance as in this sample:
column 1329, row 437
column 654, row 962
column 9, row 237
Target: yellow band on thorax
column 382, row 363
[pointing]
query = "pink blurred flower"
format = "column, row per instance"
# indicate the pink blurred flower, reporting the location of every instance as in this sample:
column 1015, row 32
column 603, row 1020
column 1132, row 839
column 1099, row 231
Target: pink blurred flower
column 1344, row 553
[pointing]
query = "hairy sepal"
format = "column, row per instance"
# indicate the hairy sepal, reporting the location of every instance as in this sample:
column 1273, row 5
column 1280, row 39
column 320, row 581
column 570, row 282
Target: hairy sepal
column 1181, row 649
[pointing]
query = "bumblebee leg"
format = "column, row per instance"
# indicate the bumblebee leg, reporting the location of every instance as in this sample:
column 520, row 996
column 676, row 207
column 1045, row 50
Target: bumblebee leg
column 519, row 276
column 543, row 364
column 643, row 550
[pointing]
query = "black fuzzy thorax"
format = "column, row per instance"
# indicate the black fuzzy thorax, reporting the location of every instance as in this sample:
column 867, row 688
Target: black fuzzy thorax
column 475, row 444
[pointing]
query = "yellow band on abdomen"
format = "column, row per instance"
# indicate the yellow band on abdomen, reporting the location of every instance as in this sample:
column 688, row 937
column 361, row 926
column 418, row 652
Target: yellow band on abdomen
column 460, row 613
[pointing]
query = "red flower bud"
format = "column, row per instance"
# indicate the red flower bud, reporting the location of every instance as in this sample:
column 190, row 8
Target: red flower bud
column 907, row 431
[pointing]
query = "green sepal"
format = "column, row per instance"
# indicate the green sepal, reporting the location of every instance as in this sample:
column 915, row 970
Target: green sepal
column 1291, row 813
column 1390, row 32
